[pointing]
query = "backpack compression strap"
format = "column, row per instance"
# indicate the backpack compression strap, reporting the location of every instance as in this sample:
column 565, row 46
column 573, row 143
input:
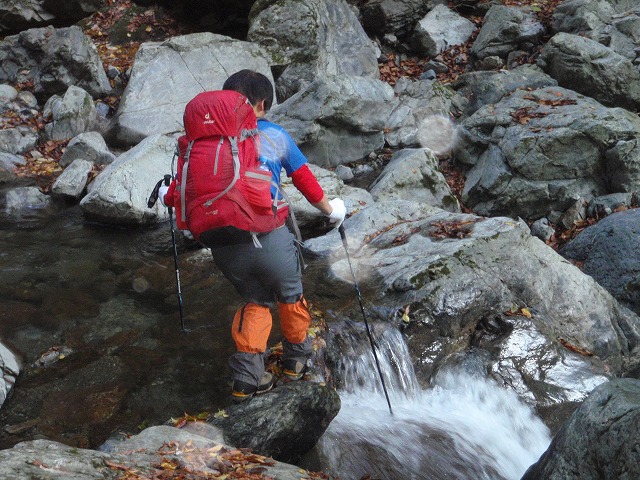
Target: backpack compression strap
column 236, row 171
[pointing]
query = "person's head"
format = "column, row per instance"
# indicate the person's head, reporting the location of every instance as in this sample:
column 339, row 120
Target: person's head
column 253, row 85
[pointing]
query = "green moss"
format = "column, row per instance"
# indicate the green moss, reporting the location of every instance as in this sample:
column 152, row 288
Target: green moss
column 443, row 90
column 433, row 271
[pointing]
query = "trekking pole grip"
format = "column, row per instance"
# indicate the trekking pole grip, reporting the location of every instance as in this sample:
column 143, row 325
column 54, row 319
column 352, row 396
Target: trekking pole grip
column 343, row 235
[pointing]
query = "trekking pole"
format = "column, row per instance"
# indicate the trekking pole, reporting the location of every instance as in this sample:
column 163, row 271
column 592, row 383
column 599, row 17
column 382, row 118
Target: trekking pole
column 343, row 235
column 150, row 203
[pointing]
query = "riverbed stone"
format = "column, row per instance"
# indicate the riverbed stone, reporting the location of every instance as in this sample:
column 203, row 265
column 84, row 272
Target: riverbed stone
column 609, row 251
column 614, row 23
column 599, row 441
column 73, row 180
column 194, row 451
column 307, row 38
column 504, row 29
column 284, row 423
column 87, row 146
column 413, row 174
column 440, row 29
column 539, row 151
column 21, row 199
column 420, row 117
column 53, row 59
column 9, row 371
column 588, row 67
column 180, row 68
column 337, row 120
column 459, row 268
column 119, row 194
column 70, row 115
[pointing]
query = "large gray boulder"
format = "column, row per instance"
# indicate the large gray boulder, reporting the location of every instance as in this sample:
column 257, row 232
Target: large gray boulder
column 455, row 273
column 420, row 116
column 180, row 68
column 440, row 29
column 599, row 441
column 119, row 194
column 413, row 174
column 87, row 146
column 538, row 152
column 483, row 88
column 311, row 37
column 70, row 115
column 609, row 251
column 9, row 371
column 397, row 17
column 53, row 59
column 285, row 423
column 337, row 120
column 504, row 29
column 588, row 67
column 17, row 15
column 195, row 451
column 614, row 23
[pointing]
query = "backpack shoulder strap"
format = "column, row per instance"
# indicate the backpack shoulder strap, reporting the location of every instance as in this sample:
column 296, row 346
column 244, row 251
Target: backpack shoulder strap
column 183, row 181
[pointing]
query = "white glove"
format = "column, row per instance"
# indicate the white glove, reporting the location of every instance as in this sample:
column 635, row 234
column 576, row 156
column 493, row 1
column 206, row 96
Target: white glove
column 162, row 191
column 338, row 213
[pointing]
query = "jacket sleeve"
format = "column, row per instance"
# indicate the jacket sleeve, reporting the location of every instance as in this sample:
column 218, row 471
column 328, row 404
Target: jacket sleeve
column 305, row 181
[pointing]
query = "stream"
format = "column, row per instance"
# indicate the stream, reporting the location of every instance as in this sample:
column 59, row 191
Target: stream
column 91, row 312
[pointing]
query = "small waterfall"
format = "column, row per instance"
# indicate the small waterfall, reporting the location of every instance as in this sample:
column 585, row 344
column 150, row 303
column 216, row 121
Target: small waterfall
column 464, row 427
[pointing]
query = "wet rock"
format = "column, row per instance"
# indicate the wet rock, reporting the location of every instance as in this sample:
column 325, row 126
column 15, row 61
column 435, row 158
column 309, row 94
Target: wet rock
column 600, row 439
column 196, row 451
column 53, row 355
column 464, row 267
column 21, row 199
column 610, row 253
column 394, row 17
column 284, row 423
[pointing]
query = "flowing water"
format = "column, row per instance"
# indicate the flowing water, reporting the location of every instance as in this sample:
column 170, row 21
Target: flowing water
column 462, row 427
column 91, row 312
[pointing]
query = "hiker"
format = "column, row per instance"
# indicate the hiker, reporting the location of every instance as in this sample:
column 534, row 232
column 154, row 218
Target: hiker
column 265, row 268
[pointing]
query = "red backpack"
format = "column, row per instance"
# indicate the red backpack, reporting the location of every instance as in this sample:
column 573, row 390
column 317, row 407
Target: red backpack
column 219, row 182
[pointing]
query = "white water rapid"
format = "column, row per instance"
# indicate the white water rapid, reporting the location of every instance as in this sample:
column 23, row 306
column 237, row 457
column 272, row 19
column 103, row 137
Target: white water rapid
column 463, row 427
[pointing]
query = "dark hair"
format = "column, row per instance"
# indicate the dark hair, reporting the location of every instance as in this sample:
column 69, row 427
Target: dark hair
column 253, row 85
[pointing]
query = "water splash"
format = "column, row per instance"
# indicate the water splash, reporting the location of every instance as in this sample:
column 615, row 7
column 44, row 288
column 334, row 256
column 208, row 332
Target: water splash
column 464, row 427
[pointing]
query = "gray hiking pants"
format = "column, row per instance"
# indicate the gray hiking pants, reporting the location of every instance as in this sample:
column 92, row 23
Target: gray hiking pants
column 263, row 276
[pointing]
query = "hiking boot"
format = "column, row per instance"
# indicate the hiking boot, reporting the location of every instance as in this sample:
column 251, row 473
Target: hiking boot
column 293, row 369
column 241, row 391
